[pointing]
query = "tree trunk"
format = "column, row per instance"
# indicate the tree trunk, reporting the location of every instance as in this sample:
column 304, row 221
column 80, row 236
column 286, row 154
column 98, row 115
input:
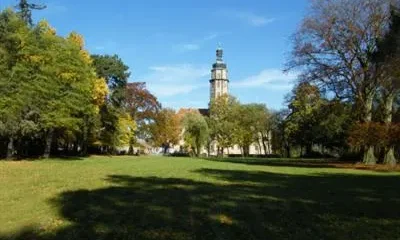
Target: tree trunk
column 85, row 138
column 130, row 151
column 369, row 156
column 49, row 139
column 259, row 147
column 10, row 148
column 264, row 146
column 287, row 150
column 389, row 158
column 198, row 147
column 308, row 149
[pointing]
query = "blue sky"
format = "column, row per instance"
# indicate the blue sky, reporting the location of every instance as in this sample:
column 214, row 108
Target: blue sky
column 171, row 44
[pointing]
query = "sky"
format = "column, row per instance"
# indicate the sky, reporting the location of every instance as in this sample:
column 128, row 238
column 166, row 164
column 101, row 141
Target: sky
column 171, row 45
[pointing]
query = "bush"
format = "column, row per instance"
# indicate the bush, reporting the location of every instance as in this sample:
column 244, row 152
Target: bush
column 179, row 154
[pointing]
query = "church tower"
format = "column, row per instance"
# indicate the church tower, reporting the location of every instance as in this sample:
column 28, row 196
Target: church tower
column 219, row 77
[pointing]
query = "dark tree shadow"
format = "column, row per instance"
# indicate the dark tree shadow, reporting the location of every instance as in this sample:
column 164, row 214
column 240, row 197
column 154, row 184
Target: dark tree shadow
column 245, row 205
column 274, row 162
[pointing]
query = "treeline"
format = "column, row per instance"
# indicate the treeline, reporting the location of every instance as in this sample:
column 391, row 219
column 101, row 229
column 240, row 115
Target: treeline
column 347, row 97
column 227, row 123
column 56, row 98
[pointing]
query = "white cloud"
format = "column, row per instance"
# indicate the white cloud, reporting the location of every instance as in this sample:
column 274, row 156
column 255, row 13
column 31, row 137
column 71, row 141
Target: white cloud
column 197, row 44
column 168, row 90
column 249, row 17
column 190, row 47
column 273, row 79
column 211, row 37
column 171, row 80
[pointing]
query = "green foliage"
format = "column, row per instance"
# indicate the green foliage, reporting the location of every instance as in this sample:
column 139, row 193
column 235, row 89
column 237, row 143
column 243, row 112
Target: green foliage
column 250, row 117
column 196, row 131
column 300, row 125
column 50, row 93
column 116, row 74
column 222, row 120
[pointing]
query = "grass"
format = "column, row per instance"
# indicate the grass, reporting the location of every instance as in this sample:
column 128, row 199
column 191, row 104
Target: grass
column 179, row 198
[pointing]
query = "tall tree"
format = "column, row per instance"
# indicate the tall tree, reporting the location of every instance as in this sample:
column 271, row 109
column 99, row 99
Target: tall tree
column 388, row 57
column 302, row 120
column 166, row 129
column 222, row 121
column 116, row 74
column 246, row 129
column 14, row 115
column 195, row 131
column 25, row 10
column 333, row 49
column 143, row 107
column 62, row 81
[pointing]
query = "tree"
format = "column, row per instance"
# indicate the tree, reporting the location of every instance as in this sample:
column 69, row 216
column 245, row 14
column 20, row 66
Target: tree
column 333, row 122
column 25, row 10
column 222, row 121
column 116, row 74
column 387, row 56
column 302, row 120
column 166, row 129
column 14, row 116
column 333, row 49
column 195, row 131
column 246, row 131
column 280, row 140
column 126, row 130
column 142, row 106
column 113, row 70
column 62, row 82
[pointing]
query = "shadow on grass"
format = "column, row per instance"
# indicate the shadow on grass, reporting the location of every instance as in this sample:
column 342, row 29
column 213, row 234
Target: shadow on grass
column 251, row 205
column 281, row 162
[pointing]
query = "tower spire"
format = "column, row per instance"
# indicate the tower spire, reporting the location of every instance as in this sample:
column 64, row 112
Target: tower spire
column 219, row 76
column 220, row 53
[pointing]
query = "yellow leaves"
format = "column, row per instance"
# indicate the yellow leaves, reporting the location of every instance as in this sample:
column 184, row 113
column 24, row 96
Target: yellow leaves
column 85, row 55
column 35, row 59
column 126, row 128
column 77, row 39
column 46, row 28
column 68, row 76
column 100, row 91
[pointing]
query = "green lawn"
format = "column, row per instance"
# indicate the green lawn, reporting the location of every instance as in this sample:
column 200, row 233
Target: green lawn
column 157, row 198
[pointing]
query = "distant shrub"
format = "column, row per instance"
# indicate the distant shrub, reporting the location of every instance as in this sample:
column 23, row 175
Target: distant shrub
column 179, row 154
